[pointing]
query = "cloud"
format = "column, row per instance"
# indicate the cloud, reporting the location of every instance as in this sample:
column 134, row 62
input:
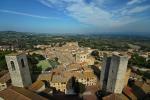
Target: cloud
column 44, row 2
column 131, row 2
column 130, row 11
column 89, row 14
column 139, row 9
column 94, row 14
column 81, row 11
column 25, row 14
column 124, row 21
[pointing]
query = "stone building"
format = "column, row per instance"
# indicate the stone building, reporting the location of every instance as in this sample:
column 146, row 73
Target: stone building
column 5, row 81
column 61, row 78
column 18, row 69
column 37, row 86
column 113, row 73
column 84, row 56
column 81, row 57
column 58, row 81
column 127, row 76
column 7, row 47
column 105, row 72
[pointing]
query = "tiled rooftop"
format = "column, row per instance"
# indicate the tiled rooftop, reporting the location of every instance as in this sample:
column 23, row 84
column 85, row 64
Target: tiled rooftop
column 5, row 78
column 16, row 93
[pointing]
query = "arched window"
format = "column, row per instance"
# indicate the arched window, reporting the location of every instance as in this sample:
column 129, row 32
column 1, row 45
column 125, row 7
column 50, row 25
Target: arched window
column 22, row 63
column 12, row 65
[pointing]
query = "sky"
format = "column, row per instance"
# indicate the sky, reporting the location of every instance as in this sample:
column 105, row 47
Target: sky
column 75, row 16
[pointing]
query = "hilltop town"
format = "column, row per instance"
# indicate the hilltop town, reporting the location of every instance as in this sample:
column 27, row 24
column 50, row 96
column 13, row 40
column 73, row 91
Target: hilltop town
column 68, row 71
column 74, row 49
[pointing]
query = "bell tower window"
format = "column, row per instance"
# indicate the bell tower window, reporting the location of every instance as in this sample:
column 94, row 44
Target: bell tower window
column 12, row 65
column 22, row 63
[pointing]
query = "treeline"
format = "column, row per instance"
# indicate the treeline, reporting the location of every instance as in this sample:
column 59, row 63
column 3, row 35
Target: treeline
column 139, row 61
column 3, row 65
column 25, row 40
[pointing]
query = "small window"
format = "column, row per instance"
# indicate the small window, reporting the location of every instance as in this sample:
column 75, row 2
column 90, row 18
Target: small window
column 87, row 79
column 12, row 65
column 22, row 63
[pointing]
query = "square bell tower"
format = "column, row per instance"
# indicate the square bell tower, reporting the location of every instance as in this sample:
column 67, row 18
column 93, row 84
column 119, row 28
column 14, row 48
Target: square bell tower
column 19, row 70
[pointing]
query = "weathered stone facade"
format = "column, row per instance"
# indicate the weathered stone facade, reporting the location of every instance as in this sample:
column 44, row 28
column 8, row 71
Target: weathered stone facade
column 105, row 72
column 113, row 73
column 19, row 70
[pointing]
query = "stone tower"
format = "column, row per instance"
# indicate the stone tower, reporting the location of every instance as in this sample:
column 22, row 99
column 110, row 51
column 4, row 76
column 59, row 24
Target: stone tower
column 105, row 72
column 19, row 70
column 113, row 73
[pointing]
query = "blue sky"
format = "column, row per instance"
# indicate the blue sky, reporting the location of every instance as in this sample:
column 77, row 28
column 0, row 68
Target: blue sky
column 75, row 16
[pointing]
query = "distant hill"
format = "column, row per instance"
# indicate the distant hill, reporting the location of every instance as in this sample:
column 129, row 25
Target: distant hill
column 103, row 41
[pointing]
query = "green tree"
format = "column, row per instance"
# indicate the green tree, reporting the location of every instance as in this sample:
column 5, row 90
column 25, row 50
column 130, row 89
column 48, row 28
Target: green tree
column 138, row 60
column 3, row 65
column 79, row 87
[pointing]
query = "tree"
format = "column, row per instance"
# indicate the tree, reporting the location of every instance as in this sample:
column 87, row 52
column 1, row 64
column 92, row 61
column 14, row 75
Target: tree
column 138, row 60
column 95, row 53
column 3, row 65
column 33, row 61
column 148, row 64
column 79, row 87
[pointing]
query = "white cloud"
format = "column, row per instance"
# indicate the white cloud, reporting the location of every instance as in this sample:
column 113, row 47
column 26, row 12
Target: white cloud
column 25, row 14
column 89, row 14
column 131, row 2
column 94, row 14
column 44, row 2
column 139, row 9
column 86, row 13
column 123, row 21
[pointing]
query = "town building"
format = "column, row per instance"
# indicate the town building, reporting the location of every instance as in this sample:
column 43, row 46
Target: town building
column 57, row 80
column 5, row 81
column 105, row 72
column 84, row 56
column 113, row 73
column 37, row 86
column 7, row 47
column 18, row 69
column 61, row 83
column 61, row 78
column 127, row 76
column 81, row 57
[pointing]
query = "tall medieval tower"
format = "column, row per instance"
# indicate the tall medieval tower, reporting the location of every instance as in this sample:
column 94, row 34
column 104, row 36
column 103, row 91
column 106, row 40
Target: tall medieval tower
column 19, row 70
column 113, row 73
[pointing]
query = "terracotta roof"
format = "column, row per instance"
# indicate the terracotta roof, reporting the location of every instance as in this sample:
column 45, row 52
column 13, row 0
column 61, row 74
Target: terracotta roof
column 47, row 90
column 83, row 75
column 146, row 87
column 45, row 76
column 139, row 83
column 3, row 72
column 15, row 54
column 115, row 97
column 36, row 85
column 59, row 78
column 129, row 92
column 16, row 93
column 60, row 75
column 141, row 88
column 5, row 78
